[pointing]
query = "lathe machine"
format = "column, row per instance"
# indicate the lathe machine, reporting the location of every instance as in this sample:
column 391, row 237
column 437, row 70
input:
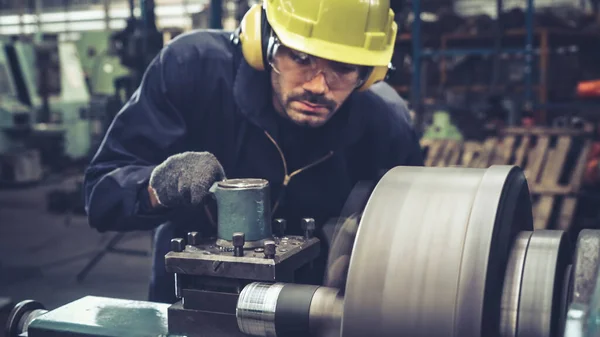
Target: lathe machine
column 439, row 252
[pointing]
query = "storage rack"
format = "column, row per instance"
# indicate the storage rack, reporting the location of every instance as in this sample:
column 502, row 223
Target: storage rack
column 418, row 53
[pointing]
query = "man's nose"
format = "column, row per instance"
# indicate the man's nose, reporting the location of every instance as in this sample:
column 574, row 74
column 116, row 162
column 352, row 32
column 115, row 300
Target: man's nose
column 317, row 84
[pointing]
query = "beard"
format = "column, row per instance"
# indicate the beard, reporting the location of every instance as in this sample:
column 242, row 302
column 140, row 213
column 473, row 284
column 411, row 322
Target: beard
column 302, row 118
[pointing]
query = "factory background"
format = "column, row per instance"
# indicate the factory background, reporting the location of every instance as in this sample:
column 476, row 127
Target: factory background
column 522, row 88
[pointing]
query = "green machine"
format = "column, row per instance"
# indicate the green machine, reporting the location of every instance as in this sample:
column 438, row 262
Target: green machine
column 442, row 127
column 19, row 163
column 103, row 70
column 50, row 81
column 100, row 64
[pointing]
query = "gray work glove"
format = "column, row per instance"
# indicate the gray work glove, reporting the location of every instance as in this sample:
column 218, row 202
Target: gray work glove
column 338, row 260
column 185, row 179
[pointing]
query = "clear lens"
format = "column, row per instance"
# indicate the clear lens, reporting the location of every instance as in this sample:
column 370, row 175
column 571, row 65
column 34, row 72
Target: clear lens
column 303, row 67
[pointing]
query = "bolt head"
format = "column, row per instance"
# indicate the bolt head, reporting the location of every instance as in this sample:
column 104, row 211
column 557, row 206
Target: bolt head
column 270, row 248
column 238, row 239
column 193, row 238
column 177, row 245
column 308, row 224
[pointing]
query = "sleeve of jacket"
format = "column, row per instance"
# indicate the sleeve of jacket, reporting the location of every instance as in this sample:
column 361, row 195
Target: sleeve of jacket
column 149, row 128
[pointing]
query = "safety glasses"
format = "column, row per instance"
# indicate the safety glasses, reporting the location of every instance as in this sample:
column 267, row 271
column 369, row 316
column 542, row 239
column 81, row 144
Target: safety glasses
column 299, row 66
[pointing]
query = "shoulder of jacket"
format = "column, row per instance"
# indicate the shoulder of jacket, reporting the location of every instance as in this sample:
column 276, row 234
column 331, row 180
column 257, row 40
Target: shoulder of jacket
column 200, row 47
column 382, row 108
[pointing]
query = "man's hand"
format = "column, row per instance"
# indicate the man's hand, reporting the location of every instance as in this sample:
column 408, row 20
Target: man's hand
column 184, row 179
column 340, row 252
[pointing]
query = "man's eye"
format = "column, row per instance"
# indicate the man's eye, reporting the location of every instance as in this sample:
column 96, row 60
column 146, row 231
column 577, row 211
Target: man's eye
column 343, row 68
column 300, row 58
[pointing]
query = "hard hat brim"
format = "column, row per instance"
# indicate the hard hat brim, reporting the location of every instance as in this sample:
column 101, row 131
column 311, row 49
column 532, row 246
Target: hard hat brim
column 337, row 52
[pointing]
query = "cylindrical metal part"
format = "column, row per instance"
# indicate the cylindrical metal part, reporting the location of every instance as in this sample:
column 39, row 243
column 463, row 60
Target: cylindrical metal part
column 308, row 225
column 513, row 279
column 256, row 306
column 193, row 238
column 244, row 205
column 280, row 226
column 325, row 315
column 434, row 243
column 280, row 309
column 238, row 241
column 21, row 317
column 547, row 258
column 270, row 248
column 177, row 245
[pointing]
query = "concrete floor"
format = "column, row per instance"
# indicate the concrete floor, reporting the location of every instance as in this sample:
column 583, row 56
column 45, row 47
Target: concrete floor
column 42, row 253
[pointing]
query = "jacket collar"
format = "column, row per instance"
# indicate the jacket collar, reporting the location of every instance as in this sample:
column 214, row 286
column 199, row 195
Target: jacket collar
column 252, row 93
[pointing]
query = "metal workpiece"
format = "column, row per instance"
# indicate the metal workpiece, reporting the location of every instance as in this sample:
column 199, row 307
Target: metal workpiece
column 177, row 245
column 443, row 238
column 238, row 241
column 308, row 226
column 511, row 292
column 546, row 261
column 256, row 309
column 325, row 314
column 243, row 205
column 279, row 227
column 193, row 238
column 209, row 259
column 284, row 309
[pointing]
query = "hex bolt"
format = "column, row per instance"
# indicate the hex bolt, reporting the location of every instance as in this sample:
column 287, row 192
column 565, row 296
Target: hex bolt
column 177, row 245
column 280, row 227
column 308, row 225
column 238, row 239
column 193, row 238
column 270, row 249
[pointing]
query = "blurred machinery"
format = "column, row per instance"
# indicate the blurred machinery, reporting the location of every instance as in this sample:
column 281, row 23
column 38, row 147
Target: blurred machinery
column 137, row 45
column 439, row 252
column 44, row 109
column 18, row 162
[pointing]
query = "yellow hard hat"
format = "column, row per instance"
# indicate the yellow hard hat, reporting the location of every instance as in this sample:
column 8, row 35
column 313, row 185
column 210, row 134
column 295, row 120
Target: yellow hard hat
column 349, row 31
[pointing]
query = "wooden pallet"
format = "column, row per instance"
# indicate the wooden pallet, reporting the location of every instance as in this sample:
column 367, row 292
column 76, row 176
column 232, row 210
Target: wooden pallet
column 553, row 160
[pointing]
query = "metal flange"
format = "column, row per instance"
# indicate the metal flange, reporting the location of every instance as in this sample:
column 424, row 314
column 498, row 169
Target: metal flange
column 431, row 252
column 541, row 299
column 511, row 293
column 21, row 315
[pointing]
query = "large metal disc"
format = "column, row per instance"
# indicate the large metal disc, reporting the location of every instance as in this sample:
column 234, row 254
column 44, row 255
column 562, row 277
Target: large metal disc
column 546, row 261
column 431, row 251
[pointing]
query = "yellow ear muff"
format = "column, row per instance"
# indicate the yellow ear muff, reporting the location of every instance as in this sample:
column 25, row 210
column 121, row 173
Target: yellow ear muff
column 377, row 75
column 251, row 37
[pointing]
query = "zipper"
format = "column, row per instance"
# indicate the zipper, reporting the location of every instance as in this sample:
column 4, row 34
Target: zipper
column 288, row 176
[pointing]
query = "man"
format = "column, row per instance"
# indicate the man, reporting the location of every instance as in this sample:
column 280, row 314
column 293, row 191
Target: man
column 287, row 98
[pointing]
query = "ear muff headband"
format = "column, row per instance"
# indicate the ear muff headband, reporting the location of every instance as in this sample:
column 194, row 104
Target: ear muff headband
column 254, row 36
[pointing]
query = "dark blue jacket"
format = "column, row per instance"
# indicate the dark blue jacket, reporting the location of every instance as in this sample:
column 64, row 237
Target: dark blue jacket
column 199, row 94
